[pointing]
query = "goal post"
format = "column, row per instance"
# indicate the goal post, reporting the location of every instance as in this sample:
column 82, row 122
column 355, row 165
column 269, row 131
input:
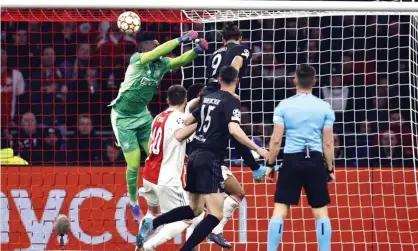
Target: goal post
column 366, row 57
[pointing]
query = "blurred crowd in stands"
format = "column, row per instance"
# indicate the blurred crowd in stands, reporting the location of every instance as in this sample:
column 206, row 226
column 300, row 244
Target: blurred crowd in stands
column 58, row 78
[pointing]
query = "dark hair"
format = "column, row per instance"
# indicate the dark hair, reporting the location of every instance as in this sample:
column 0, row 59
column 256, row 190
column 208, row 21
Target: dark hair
column 228, row 74
column 176, row 95
column 305, row 75
column 231, row 31
column 144, row 37
column 194, row 91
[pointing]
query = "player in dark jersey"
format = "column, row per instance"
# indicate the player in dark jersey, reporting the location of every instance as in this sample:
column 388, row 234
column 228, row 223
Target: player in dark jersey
column 239, row 57
column 232, row 53
column 217, row 118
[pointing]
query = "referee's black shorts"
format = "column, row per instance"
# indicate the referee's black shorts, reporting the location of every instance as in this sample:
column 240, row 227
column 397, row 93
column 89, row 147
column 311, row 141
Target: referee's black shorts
column 297, row 172
column 204, row 172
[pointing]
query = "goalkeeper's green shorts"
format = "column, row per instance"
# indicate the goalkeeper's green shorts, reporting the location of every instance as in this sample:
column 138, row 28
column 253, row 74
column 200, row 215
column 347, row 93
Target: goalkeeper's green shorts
column 131, row 130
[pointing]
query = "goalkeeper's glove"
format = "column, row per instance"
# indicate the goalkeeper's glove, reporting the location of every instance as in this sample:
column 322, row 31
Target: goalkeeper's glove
column 201, row 46
column 188, row 36
column 259, row 173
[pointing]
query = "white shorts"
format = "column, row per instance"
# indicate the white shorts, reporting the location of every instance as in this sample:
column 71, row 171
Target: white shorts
column 166, row 197
column 226, row 172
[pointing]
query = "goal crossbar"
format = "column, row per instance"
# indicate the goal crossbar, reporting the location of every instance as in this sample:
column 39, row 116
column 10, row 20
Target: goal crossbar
column 198, row 12
column 405, row 7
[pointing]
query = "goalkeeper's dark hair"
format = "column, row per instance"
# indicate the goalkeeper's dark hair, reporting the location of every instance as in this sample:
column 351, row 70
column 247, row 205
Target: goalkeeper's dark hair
column 194, row 91
column 176, row 95
column 228, row 74
column 144, row 37
column 305, row 75
column 231, row 32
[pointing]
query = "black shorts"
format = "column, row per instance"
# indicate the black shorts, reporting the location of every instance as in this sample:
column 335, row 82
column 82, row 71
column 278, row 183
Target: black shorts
column 204, row 173
column 297, row 172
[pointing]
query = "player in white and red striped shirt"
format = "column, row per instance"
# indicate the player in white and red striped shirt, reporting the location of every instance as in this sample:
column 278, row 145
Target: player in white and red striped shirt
column 162, row 180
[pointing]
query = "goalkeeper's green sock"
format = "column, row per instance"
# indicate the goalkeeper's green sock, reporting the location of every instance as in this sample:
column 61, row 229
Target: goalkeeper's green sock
column 132, row 181
column 133, row 159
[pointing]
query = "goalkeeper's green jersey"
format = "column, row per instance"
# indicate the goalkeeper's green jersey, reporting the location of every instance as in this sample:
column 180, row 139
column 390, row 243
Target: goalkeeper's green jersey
column 140, row 84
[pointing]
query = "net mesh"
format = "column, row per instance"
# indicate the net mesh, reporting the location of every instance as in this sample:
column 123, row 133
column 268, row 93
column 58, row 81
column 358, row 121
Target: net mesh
column 61, row 68
column 367, row 71
column 88, row 15
column 210, row 16
column 57, row 80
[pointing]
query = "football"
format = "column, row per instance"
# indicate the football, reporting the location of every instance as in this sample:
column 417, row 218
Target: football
column 61, row 224
column 129, row 22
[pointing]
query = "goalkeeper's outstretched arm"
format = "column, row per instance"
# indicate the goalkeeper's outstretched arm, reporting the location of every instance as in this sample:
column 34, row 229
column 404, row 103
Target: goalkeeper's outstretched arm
column 189, row 56
column 167, row 47
column 182, row 60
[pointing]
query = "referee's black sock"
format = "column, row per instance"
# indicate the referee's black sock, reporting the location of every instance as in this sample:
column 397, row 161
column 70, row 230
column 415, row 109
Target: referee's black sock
column 177, row 214
column 201, row 231
column 246, row 154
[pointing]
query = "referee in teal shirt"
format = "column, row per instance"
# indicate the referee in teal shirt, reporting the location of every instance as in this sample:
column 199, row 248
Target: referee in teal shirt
column 307, row 122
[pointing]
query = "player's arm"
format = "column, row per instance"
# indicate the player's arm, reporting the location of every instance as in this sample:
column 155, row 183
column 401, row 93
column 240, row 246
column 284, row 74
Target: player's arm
column 185, row 132
column 237, row 62
column 232, row 111
column 276, row 138
column 189, row 56
column 243, row 56
column 236, row 132
column 193, row 104
column 275, row 143
column 190, row 119
column 328, row 139
column 166, row 47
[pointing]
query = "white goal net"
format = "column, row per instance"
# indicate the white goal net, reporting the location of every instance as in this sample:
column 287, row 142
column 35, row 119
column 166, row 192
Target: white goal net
column 367, row 66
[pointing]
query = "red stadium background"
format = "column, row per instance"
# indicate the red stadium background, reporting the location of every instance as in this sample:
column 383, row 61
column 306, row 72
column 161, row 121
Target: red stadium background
column 376, row 208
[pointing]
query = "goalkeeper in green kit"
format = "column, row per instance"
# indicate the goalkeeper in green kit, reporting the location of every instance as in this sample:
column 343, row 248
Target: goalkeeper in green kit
column 131, row 120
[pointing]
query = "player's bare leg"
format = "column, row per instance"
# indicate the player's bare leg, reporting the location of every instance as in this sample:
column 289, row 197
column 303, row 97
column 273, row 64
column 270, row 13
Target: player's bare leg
column 323, row 228
column 235, row 196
